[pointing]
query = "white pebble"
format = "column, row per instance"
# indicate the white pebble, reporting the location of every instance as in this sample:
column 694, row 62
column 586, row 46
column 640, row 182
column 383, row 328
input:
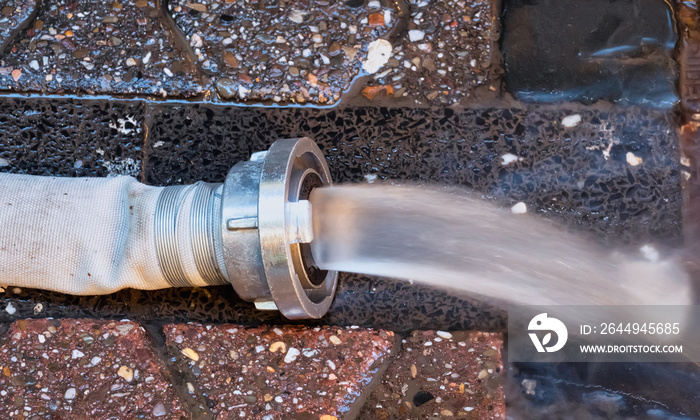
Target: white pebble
column 529, row 386
column 509, row 158
column 168, row 72
column 632, row 159
column 416, row 35
column 10, row 309
column 310, row 353
column 571, row 121
column 378, row 55
column 159, row 410
column 444, row 334
column 291, row 355
column 34, row 64
column 70, row 394
column 146, row 58
column 519, row 208
column 297, row 16
column 196, row 41
column 77, row 354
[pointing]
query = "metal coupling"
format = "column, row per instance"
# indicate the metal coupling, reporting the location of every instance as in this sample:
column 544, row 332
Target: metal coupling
column 253, row 231
column 267, row 229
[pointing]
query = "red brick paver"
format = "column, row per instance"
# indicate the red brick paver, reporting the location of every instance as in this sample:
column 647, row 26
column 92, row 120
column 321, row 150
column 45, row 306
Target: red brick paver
column 446, row 53
column 83, row 369
column 120, row 47
column 280, row 372
column 442, row 375
column 300, row 51
column 14, row 16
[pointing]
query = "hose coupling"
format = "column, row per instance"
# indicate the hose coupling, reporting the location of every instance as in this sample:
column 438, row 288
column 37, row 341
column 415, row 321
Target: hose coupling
column 266, row 230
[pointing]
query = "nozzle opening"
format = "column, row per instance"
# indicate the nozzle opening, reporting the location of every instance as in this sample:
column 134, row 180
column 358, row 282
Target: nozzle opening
column 310, row 276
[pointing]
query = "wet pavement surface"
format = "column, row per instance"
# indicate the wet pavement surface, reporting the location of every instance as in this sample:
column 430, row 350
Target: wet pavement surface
column 609, row 173
column 594, row 169
column 360, row 300
column 596, row 391
column 449, row 56
column 16, row 16
column 689, row 87
column 620, row 51
column 83, row 368
column 266, row 372
column 99, row 47
column 439, row 375
column 417, row 96
column 612, row 172
column 71, row 137
column 288, row 51
column 252, row 51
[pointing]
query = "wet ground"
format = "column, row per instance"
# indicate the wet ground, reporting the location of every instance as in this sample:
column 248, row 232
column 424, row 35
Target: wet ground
column 575, row 114
column 612, row 50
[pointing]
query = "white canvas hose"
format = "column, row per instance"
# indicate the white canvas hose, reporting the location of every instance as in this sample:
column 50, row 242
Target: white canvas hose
column 88, row 236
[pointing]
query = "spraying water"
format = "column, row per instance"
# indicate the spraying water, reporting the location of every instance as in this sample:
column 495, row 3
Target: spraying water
column 451, row 239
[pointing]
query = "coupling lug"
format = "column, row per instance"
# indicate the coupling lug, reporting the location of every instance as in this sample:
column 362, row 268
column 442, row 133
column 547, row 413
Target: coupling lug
column 242, row 223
